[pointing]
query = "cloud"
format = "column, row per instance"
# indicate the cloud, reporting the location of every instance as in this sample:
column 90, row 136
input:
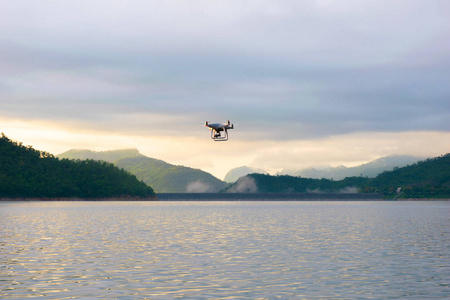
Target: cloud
column 310, row 69
column 348, row 190
column 198, row 187
column 244, row 184
column 286, row 73
column 348, row 150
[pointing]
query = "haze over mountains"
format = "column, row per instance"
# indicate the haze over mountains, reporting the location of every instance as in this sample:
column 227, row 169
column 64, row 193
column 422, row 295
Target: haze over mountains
column 161, row 176
column 370, row 169
column 89, row 174
column 429, row 178
column 167, row 178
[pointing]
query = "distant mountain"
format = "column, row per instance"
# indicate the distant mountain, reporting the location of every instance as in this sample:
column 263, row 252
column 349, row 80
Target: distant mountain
column 110, row 156
column 371, row 169
column 236, row 173
column 162, row 176
column 29, row 173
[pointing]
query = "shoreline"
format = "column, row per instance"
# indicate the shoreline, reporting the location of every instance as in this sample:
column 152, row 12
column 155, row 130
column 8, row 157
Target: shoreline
column 423, row 199
column 266, row 197
column 232, row 197
column 50, row 199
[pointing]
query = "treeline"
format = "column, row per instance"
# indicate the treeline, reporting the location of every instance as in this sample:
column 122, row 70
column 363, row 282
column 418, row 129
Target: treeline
column 290, row 184
column 426, row 179
column 29, row 173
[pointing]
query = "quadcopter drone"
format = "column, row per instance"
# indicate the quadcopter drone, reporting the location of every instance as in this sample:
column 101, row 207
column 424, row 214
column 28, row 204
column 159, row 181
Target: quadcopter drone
column 219, row 130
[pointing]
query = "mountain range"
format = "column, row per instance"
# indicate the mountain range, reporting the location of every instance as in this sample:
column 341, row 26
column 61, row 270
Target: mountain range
column 371, row 169
column 429, row 178
column 167, row 178
column 161, row 176
column 26, row 172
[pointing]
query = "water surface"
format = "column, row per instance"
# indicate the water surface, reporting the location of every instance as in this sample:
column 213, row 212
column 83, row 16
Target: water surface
column 239, row 250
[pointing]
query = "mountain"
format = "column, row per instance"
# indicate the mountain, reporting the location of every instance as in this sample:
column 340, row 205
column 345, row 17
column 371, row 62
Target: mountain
column 236, row 173
column 425, row 179
column 370, row 169
column 162, row 176
column 29, row 173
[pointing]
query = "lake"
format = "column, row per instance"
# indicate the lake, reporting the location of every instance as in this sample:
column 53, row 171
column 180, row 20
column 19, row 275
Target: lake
column 225, row 250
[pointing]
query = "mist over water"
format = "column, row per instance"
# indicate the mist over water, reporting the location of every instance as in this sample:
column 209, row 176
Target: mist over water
column 244, row 185
column 199, row 187
column 245, row 250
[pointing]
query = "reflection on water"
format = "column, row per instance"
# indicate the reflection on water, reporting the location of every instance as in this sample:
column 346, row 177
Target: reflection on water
column 311, row 250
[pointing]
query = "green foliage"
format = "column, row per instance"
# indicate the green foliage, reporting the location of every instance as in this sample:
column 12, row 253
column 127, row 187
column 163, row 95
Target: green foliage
column 26, row 172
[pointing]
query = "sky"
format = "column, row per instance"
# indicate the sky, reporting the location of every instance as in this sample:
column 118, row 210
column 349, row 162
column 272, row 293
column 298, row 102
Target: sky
column 306, row 83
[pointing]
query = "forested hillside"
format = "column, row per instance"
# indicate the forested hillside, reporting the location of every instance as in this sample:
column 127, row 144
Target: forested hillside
column 160, row 175
column 425, row 179
column 29, row 173
column 429, row 179
column 264, row 183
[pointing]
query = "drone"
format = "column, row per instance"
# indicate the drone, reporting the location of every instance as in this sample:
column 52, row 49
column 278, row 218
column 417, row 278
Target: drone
column 219, row 130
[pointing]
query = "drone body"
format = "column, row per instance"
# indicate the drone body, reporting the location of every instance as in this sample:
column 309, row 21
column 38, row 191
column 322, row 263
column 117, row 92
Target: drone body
column 219, row 131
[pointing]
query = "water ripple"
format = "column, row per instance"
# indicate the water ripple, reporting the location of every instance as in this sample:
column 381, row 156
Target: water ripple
column 220, row 250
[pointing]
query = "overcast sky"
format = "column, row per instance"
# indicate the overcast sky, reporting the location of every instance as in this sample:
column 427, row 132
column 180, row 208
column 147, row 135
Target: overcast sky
column 306, row 83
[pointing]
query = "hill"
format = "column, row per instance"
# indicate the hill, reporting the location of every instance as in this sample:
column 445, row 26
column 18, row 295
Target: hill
column 426, row 179
column 371, row 169
column 29, row 173
column 162, row 176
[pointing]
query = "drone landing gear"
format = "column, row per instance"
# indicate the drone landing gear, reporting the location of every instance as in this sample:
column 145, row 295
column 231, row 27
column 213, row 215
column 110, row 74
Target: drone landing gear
column 217, row 136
